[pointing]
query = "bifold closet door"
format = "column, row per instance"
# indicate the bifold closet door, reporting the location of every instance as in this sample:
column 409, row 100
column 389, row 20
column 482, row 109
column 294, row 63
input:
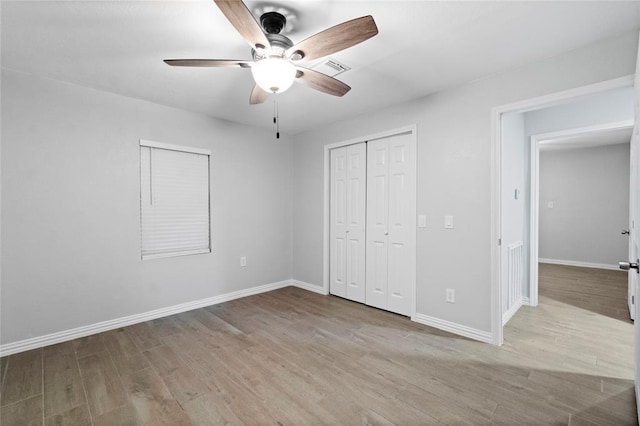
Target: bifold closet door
column 391, row 231
column 347, row 222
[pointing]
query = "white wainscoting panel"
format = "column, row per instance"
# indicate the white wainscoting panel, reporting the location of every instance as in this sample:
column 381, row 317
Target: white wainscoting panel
column 515, row 280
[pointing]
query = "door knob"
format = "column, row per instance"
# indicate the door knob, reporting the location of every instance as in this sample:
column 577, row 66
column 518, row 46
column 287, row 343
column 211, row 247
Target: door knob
column 625, row 232
column 629, row 265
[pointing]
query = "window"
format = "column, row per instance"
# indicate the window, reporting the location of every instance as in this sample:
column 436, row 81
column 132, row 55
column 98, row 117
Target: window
column 174, row 200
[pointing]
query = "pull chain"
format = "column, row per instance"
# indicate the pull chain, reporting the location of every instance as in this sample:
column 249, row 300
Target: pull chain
column 276, row 118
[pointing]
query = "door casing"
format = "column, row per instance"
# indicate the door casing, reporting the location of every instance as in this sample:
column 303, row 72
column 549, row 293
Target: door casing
column 535, row 193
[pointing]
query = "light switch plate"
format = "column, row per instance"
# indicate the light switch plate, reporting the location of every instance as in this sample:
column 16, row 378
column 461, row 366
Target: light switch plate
column 448, row 222
column 550, row 204
column 422, row 221
column 451, row 296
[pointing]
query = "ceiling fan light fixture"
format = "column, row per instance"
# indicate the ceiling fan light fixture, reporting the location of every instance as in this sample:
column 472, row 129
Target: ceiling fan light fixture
column 274, row 54
column 274, row 75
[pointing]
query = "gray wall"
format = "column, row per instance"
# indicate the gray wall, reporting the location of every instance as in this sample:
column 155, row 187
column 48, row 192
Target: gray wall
column 71, row 207
column 608, row 107
column 590, row 191
column 454, row 175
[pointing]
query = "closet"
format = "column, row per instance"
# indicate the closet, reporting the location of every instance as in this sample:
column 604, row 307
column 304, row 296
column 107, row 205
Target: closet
column 372, row 222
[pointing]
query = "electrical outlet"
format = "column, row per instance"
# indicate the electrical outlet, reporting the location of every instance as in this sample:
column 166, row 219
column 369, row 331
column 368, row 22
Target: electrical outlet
column 243, row 261
column 451, row 295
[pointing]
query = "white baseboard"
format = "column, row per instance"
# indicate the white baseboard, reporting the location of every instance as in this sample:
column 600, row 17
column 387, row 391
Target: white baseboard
column 74, row 333
column 65, row 335
column 580, row 264
column 309, row 287
column 452, row 327
column 512, row 311
column 637, row 386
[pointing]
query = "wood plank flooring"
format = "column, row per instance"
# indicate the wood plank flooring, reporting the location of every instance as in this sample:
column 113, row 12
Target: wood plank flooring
column 292, row 357
column 598, row 290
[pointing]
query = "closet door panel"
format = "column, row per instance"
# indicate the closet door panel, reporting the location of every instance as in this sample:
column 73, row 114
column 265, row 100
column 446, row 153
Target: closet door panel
column 338, row 223
column 377, row 274
column 377, row 222
column 402, row 227
column 356, row 225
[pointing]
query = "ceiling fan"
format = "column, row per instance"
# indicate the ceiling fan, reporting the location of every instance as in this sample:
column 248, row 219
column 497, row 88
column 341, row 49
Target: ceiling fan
column 275, row 57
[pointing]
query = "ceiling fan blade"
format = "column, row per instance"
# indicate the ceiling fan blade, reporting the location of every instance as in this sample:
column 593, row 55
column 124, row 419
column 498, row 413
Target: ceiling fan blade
column 258, row 95
column 322, row 82
column 336, row 38
column 243, row 21
column 219, row 63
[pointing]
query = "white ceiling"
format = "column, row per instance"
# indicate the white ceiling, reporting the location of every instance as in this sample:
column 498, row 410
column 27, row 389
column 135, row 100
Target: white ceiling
column 422, row 47
column 589, row 139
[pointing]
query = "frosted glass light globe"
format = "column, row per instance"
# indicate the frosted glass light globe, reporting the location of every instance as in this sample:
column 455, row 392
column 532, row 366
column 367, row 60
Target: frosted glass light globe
column 274, row 75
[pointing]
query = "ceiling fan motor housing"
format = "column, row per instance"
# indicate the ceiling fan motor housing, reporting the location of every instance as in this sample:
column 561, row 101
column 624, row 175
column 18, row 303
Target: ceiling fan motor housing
column 273, row 22
column 279, row 45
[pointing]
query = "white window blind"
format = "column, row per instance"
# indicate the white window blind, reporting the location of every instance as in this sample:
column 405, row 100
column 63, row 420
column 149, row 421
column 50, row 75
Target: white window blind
column 174, row 200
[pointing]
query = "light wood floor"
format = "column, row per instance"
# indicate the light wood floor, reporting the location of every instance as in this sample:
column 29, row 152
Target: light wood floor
column 293, row 357
column 597, row 290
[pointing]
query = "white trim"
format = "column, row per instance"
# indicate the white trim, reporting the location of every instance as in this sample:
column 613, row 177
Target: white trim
column 512, row 311
column 580, row 264
column 496, row 142
column 394, row 132
column 411, row 129
column 534, row 210
column 309, row 287
column 74, row 333
column 172, row 147
column 534, row 219
column 175, row 254
column 452, row 327
column 637, row 389
column 496, row 221
column 571, row 94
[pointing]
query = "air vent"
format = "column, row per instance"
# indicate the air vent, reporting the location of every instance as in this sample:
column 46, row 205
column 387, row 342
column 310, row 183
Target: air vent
column 331, row 67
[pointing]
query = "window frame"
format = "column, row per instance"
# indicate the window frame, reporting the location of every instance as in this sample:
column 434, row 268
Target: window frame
column 144, row 143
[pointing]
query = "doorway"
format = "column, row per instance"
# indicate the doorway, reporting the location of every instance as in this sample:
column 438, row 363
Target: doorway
column 500, row 192
column 592, row 185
